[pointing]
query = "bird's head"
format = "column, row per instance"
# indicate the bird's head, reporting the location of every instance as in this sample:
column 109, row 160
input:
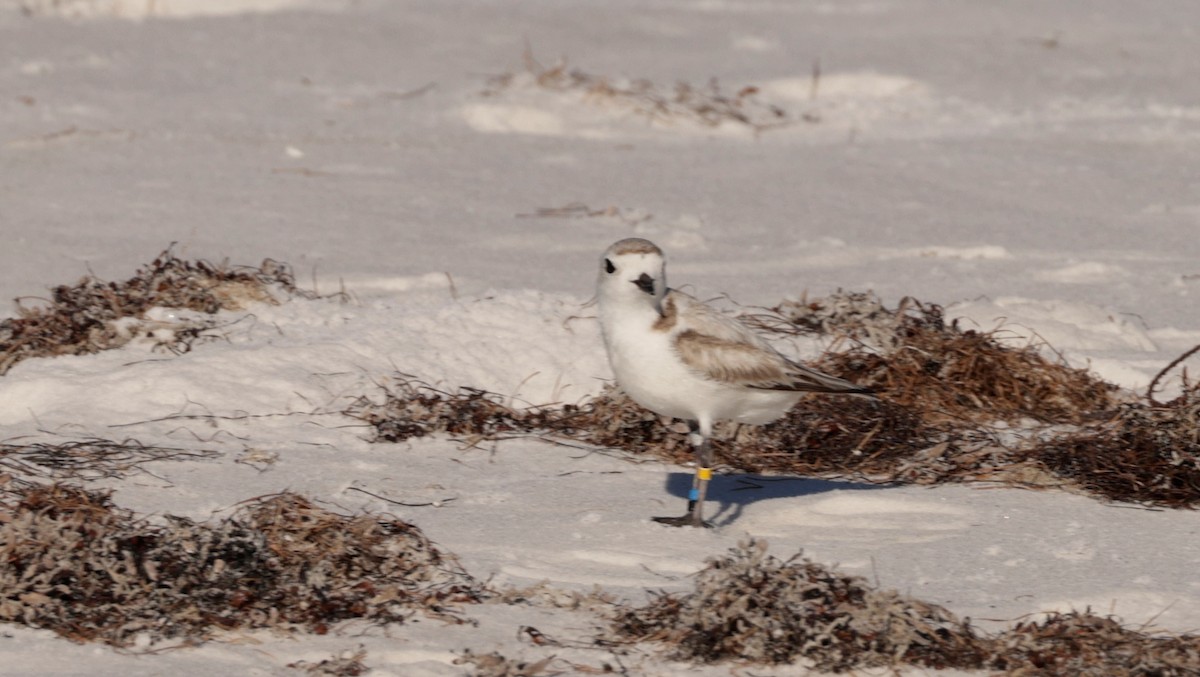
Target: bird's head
column 632, row 271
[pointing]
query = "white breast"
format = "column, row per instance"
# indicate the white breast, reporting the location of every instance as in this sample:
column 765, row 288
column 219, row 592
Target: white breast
column 649, row 370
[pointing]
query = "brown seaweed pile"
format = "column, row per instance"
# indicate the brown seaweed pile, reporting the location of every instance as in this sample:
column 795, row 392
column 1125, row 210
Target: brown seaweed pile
column 1143, row 453
column 81, row 319
column 943, row 372
column 73, row 563
column 749, row 606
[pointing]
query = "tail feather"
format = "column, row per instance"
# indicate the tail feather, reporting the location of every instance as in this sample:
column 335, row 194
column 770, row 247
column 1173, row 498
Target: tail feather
column 807, row 379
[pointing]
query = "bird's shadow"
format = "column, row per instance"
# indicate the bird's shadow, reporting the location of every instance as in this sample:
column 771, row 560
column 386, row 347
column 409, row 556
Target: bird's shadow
column 733, row 492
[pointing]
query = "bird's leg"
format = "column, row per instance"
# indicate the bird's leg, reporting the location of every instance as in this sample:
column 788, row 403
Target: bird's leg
column 703, row 475
column 694, row 517
column 697, row 440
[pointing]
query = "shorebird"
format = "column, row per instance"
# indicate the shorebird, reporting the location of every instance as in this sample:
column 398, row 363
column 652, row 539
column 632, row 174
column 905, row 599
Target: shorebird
column 679, row 357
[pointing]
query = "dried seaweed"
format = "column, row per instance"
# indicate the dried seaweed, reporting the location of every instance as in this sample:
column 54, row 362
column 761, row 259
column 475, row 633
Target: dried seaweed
column 706, row 105
column 90, row 459
column 1080, row 643
column 821, row 436
column 73, row 563
column 1144, row 453
column 943, row 391
column 959, row 381
column 343, row 664
column 83, row 318
column 411, row 409
column 869, row 440
column 942, row 371
column 748, row 606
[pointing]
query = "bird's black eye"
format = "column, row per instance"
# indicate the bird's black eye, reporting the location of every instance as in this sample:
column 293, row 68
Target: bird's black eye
column 609, row 267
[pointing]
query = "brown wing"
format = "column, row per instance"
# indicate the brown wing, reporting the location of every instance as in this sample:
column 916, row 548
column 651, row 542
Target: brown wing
column 732, row 362
column 727, row 351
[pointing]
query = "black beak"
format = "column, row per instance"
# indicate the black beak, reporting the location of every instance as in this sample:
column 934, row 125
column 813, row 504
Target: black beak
column 645, row 283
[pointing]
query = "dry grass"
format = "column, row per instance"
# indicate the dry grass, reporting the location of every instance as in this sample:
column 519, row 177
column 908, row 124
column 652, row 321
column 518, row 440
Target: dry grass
column 73, row 563
column 748, row 606
column 83, row 318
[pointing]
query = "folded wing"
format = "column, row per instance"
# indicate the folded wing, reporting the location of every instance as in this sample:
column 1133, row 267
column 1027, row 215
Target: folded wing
column 727, row 351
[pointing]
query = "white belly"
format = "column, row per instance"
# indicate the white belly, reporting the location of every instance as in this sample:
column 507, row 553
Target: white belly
column 649, row 371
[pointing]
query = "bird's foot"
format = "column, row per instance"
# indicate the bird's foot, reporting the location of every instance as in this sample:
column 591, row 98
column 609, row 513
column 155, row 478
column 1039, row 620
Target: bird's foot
column 688, row 520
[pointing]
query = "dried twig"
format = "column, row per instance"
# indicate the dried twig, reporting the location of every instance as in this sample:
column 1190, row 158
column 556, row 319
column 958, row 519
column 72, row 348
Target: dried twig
column 1165, row 370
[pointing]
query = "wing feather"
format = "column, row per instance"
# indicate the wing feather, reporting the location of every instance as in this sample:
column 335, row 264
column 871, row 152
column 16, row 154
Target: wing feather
column 724, row 350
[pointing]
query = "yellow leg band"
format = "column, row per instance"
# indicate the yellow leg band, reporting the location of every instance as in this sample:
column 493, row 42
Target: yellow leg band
column 704, row 473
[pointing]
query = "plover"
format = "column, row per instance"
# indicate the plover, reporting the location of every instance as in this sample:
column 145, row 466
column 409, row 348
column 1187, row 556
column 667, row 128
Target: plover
column 679, row 357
